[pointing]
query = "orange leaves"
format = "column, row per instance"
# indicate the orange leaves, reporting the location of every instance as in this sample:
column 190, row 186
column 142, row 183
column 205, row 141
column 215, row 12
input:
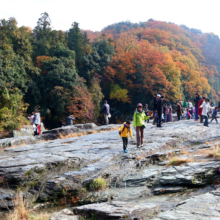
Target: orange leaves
column 40, row 60
column 139, row 69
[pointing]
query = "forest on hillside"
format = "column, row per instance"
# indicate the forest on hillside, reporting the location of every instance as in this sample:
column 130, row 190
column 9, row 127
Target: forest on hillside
column 74, row 71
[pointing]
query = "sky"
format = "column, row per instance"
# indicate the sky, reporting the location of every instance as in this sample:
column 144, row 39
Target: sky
column 96, row 14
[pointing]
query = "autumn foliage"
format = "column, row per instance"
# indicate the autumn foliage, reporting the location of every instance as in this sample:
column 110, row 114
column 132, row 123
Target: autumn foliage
column 81, row 104
column 159, row 57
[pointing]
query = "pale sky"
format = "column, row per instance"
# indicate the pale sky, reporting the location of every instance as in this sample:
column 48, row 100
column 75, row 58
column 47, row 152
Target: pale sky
column 96, row 14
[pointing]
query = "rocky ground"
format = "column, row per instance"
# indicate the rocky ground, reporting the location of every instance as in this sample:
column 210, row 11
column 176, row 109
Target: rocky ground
column 175, row 175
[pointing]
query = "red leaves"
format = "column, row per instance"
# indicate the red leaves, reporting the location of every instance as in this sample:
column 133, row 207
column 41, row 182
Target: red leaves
column 81, row 105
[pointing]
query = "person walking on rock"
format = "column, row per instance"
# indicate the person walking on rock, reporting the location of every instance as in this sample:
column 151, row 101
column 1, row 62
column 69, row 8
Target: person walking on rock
column 138, row 123
column 205, row 108
column 70, row 119
column 106, row 111
column 200, row 109
column 36, row 122
column 124, row 131
column 196, row 102
column 179, row 110
column 214, row 115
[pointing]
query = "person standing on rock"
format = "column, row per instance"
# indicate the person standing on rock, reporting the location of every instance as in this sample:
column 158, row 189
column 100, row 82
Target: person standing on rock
column 124, row 131
column 155, row 110
column 159, row 109
column 179, row 110
column 138, row 123
column 36, row 122
column 200, row 109
column 106, row 111
column 70, row 119
column 205, row 108
column 169, row 115
column 164, row 112
column 196, row 102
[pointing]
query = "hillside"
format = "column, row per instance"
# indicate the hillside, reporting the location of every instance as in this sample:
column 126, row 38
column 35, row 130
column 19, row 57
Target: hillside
column 73, row 71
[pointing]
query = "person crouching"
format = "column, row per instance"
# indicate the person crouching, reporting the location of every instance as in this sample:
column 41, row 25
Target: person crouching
column 124, row 131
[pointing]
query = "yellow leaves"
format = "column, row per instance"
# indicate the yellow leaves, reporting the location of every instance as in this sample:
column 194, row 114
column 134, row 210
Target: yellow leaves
column 118, row 93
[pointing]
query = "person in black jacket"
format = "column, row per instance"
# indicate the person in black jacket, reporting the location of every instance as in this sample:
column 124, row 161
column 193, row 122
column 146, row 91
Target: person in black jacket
column 196, row 101
column 159, row 109
column 155, row 109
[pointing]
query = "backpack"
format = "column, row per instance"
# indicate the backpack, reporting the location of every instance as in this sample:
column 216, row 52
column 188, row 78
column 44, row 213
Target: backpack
column 122, row 130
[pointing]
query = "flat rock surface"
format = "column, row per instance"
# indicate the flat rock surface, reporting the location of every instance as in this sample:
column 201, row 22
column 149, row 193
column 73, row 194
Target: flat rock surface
column 117, row 210
column 202, row 207
column 66, row 166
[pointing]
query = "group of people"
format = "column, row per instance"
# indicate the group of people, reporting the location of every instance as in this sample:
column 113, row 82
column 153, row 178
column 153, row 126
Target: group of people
column 35, row 120
column 141, row 115
column 202, row 110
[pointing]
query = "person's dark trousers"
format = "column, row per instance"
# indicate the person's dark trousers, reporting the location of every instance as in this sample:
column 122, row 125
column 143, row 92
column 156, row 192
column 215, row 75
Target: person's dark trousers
column 159, row 120
column 125, row 143
column 196, row 113
column 178, row 116
column 201, row 117
column 154, row 120
column 36, row 130
column 206, row 123
column 214, row 117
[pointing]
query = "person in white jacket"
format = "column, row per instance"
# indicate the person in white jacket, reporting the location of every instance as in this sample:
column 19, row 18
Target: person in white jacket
column 36, row 122
column 205, row 105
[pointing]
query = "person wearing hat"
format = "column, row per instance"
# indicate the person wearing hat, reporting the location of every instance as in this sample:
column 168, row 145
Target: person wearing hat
column 106, row 111
column 138, row 123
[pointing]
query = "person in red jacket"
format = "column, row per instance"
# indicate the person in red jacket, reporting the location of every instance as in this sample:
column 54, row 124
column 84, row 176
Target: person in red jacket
column 200, row 109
